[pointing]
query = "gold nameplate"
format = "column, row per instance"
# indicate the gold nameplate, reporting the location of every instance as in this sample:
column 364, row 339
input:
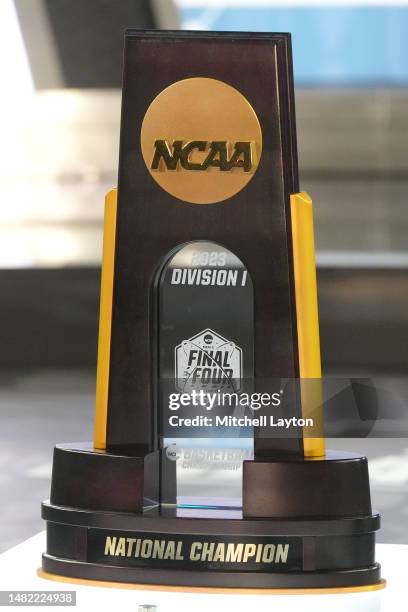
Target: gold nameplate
column 201, row 140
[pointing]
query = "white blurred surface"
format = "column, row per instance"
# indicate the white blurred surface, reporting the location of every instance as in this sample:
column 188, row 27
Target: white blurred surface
column 18, row 572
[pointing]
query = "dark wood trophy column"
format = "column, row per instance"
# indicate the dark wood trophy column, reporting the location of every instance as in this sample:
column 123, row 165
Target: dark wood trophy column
column 208, row 290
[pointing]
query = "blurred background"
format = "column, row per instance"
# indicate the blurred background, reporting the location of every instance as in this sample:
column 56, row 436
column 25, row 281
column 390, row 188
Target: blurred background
column 60, row 66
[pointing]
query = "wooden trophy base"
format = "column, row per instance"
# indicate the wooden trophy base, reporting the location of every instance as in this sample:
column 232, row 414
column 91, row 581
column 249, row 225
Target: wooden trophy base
column 98, row 530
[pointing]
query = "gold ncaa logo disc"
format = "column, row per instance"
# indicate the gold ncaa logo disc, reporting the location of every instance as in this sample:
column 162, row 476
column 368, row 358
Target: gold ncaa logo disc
column 201, row 140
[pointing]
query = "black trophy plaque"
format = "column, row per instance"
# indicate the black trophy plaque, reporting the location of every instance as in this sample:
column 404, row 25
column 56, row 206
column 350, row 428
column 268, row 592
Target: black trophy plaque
column 209, row 330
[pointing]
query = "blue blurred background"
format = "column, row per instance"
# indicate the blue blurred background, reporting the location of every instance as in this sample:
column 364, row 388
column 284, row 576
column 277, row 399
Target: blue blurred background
column 332, row 45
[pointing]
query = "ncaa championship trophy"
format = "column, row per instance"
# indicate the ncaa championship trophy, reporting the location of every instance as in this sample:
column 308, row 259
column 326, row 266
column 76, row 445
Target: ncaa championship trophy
column 209, row 360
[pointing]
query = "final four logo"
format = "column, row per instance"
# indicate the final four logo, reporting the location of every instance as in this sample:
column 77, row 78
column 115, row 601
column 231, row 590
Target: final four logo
column 208, row 361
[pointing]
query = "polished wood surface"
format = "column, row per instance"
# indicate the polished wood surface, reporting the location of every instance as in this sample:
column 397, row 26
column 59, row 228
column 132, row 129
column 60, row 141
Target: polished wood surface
column 254, row 224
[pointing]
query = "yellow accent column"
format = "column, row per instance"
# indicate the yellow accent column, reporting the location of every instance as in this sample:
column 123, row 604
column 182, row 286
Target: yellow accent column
column 307, row 321
column 105, row 319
